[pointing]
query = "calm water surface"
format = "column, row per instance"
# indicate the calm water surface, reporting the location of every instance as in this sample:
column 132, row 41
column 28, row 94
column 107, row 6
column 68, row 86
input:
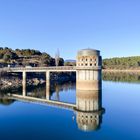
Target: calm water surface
column 121, row 120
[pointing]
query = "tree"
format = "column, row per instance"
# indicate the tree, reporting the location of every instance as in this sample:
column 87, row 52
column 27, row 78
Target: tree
column 52, row 62
column 122, row 63
column 70, row 63
column 10, row 55
column 61, row 62
column 45, row 59
column 57, row 57
column 1, row 55
column 6, row 57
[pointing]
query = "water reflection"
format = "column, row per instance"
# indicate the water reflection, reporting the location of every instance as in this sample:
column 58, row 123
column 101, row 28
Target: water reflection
column 63, row 92
column 88, row 107
column 131, row 77
column 89, row 110
column 88, row 100
column 89, row 121
column 4, row 100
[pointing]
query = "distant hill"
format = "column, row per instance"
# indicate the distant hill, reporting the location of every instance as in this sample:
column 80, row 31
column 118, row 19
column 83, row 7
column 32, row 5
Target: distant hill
column 70, row 60
column 132, row 62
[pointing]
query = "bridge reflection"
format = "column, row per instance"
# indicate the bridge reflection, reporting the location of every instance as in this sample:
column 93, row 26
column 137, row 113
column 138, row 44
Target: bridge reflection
column 88, row 108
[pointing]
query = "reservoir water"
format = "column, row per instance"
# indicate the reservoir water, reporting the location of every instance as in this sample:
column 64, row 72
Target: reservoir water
column 39, row 121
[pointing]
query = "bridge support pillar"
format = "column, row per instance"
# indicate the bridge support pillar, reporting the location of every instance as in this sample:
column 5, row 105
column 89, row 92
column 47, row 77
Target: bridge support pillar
column 24, row 83
column 47, row 85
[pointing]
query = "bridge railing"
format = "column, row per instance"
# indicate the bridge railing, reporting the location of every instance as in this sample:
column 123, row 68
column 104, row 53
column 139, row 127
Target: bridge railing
column 39, row 68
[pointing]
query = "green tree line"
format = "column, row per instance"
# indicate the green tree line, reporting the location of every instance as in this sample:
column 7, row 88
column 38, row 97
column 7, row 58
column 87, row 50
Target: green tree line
column 122, row 63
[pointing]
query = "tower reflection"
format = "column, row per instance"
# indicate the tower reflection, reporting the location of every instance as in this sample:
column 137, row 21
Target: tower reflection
column 88, row 121
column 89, row 110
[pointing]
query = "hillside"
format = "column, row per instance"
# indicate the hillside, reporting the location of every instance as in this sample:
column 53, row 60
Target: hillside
column 122, row 63
column 25, row 57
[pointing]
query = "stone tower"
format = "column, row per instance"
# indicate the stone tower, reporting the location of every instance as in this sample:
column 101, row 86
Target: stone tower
column 88, row 80
column 88, row 67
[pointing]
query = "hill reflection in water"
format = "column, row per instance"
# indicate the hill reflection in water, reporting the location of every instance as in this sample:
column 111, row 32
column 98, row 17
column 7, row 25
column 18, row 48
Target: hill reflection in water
column 130, row 77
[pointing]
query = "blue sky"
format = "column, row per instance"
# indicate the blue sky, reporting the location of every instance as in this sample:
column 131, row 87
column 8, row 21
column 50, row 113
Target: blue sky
column 112, row 26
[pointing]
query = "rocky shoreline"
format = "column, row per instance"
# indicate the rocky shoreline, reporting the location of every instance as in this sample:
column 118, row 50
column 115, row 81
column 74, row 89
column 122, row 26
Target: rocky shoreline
column 8, row 82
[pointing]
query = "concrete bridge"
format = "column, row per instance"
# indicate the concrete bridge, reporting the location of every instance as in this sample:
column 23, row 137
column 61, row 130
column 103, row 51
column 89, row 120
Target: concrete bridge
column 88, row 105
column 88, row 76
column 40, row 69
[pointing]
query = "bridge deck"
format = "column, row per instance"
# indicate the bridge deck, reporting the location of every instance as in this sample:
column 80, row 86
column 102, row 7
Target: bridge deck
column 40, row 69
column 43, row 101
column 51, row 69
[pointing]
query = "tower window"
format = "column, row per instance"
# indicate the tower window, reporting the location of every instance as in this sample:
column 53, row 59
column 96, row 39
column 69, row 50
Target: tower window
column 90, row 64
